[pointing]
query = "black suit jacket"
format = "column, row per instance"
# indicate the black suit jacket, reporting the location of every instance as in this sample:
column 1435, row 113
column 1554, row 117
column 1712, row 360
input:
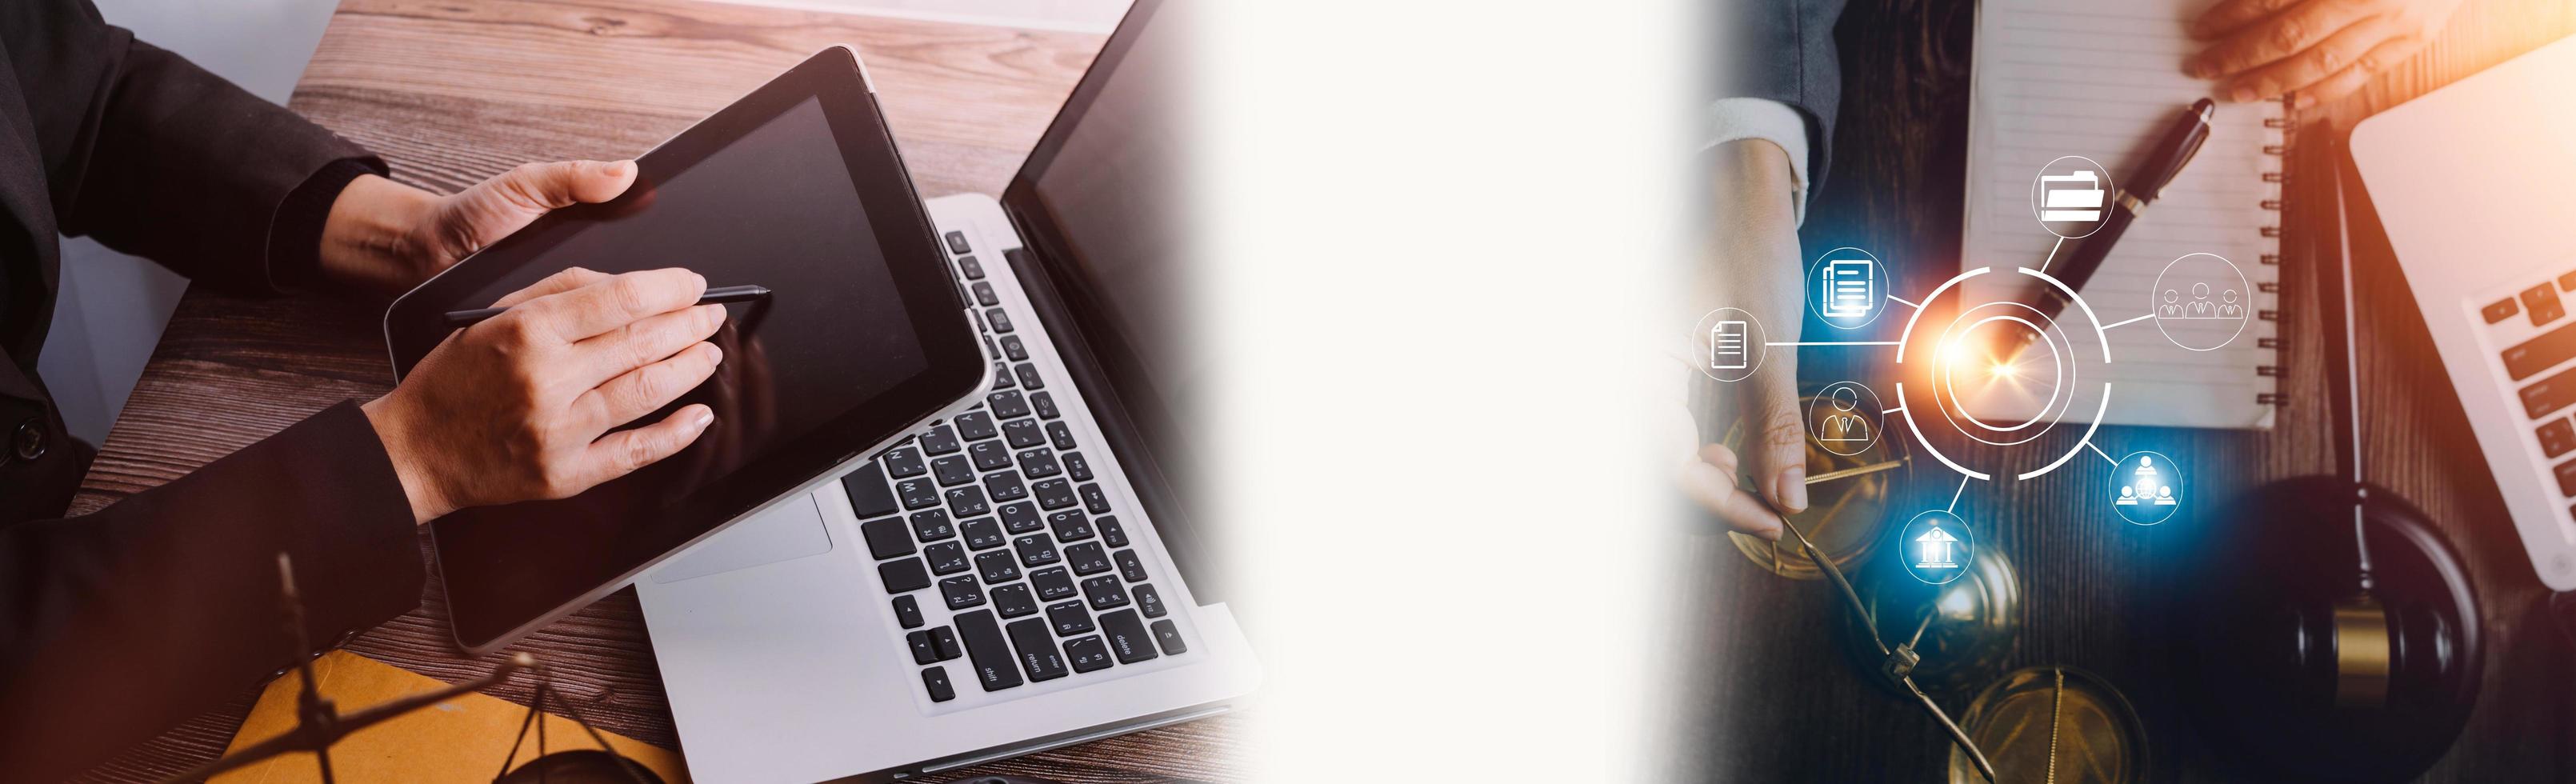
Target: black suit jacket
column 1783, row 50
column 118, row 624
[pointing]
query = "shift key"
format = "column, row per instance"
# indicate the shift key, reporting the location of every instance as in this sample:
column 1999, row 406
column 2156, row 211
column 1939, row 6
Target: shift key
column 990, row 653
column 2549, row 394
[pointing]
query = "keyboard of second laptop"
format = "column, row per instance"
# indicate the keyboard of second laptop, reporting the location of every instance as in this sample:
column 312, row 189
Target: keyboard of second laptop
column 995, row 523
column 2551, row 342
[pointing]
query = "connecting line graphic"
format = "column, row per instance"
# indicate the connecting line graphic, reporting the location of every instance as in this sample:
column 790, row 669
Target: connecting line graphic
column 2098, row 450
column 1906, row 302
column 1953, row 508
column 2129, row 321
column 2052, row 254
column 1833, row 343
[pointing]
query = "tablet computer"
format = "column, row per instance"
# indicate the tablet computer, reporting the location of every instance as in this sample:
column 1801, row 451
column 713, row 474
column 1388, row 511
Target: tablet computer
column 865, row 337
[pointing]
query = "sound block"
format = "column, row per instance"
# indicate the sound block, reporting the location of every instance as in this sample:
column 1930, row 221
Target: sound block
column 2255, row 644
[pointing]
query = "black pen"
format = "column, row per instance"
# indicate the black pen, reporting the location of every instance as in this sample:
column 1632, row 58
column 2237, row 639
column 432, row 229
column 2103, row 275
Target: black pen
column 2172, row 152
column 720, row 295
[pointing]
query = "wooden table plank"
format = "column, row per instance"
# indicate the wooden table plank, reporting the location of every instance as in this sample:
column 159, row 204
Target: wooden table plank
column 451, row 92
column 1776, row 701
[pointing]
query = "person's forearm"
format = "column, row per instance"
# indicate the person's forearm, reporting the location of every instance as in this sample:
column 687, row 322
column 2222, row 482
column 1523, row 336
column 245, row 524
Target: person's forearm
column 1752, row 181
column 369, row 239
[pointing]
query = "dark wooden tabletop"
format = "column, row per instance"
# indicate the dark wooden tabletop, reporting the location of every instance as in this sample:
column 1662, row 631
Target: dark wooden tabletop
column 453, row 91
column 1774, row 700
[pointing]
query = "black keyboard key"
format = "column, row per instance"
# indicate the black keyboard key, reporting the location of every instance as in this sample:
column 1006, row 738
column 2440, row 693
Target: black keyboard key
column 945, row 641
column 1070, row 525
column 2500, row 310
column 992, row 656
column 935, row 679
column 903, row 575
column 1012, row 350
column 1053, row 583
column 975, row 426
column 1036, row 550
column 1013, row 601
column 1055, row 494
column 903, row 462
column 868, row 495
column 1077, row 467
column 945, row 558
column 998, row 320
column 2567, row 479
column 1086, row 558
column 907, row 612
column 932, row 525
column 1007, row 405
column 968, row 501
column 960, row 591
column 1169, row 636
column 997, row 567
column 2557, row 437
column 1112, row 532
column 990, row 455
column 1088, row 654
column 1130, row 566
column 917, row 493
column 982, row 533
column 1095, row 499
column 1103, row 591
column 1038, row 654
column 2530, row 357
column 886, row 537
column 1069, row 618
column 1023, row 433
column 923, row 650
column 1044, row 404
column 1002, row 379
column 1149, row 601
column 1028, row 374
column 953, row 470
column 1005, row 486
column 984, row 294
column 957, row 242
column 1020, row 518
column 2548, row 395
column 940, row 440
column 1060, row 434
column 1039, row 463
column 2542, row 303
column 974, row 270
column 1127, row 637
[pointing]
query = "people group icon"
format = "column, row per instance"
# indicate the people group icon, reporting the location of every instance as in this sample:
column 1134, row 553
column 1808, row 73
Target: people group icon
column 2142, row 483
column 1843, row 422
column 2200, row 306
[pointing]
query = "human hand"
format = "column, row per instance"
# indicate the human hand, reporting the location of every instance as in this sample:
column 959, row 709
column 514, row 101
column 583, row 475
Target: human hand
column 518, row 407
column 2323, row 49
column 1751, row 262
column 388, row 237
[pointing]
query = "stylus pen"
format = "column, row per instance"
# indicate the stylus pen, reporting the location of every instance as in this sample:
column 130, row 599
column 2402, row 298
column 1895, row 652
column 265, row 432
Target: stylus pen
column 2174, row 150
column 720, row 295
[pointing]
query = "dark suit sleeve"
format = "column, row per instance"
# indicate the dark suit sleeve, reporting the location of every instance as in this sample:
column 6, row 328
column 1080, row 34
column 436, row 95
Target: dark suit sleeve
column 1783, row 50
column 154, row 156
column 117, row 625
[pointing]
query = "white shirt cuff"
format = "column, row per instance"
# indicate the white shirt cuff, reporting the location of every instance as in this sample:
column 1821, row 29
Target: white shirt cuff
column 1736, row 119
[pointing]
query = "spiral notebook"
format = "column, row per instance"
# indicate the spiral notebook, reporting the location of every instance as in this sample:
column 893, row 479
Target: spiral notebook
column 2100, row 79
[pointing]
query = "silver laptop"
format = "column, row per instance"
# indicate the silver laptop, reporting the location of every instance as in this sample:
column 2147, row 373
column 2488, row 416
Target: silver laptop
column 1022, row 576
column 2471, row 183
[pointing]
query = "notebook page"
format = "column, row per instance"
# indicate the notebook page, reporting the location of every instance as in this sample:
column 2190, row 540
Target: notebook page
column 2102, row 79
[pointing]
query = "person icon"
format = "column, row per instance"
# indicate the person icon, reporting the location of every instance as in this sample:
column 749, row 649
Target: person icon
column 2128, row 497
column 2172, row 307
column 2230, row 309
column 2146, row 465
column 2164, row 495
column 2200, row 306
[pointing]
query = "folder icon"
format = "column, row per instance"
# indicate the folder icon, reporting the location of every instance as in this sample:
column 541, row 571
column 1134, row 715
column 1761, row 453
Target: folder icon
column 2070, row 197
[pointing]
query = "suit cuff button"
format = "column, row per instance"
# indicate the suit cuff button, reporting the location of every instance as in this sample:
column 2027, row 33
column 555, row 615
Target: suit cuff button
column 28, row 443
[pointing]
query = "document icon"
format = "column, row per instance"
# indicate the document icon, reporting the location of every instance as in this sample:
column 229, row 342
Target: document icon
column 1850, row 288
column 1726, row 346
column 2070, row 197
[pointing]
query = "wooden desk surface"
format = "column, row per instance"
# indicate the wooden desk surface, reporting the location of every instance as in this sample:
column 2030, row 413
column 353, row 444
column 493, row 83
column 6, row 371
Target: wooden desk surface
column 1777, row 702
column 456, row 91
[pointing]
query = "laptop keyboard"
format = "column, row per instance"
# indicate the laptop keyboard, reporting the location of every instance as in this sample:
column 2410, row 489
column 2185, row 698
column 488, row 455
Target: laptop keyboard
column 996, row 541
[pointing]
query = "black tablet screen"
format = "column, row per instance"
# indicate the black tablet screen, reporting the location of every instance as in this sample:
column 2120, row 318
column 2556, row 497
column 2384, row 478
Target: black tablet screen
column 863, row 335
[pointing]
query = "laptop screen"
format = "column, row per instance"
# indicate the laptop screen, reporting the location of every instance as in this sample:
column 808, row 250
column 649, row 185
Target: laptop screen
column 1102, row 201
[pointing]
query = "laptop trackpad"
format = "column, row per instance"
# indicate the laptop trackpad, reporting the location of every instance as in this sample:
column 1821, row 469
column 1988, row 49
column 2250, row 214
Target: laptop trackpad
column 792, row 529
